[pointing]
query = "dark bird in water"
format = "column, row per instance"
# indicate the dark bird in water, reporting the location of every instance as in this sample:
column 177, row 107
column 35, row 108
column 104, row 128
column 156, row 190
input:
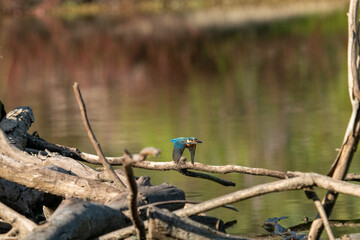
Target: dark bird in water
column 181, row 143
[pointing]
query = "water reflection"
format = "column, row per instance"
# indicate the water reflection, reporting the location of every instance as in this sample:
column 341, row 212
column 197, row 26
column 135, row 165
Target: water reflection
column 272, row 96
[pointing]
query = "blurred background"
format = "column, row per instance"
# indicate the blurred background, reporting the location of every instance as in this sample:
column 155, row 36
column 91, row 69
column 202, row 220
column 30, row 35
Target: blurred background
column 261, row 83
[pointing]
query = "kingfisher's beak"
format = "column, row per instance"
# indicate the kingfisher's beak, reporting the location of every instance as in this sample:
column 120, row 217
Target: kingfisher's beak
column 198, row 141
column 192, row 153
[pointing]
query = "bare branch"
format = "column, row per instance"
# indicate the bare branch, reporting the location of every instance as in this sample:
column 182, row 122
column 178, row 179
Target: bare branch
column 93, row 139
column 206, row 176
column 311, row 194
column 304, row 181
column 47, row 180
column 133, row 192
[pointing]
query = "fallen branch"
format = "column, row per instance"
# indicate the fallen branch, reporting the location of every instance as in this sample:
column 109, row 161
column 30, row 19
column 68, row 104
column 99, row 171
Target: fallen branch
column 306, row 180
column 77, row 219
column 18, row 221
column 48, row 181
column 94, row 141
column 311, row 194
column 163, row 224
column 206, row 176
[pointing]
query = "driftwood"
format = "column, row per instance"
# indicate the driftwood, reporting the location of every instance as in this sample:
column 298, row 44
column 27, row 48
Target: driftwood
column 22, row 225
column 166, row 225
column 76, row 219
column 16, row 124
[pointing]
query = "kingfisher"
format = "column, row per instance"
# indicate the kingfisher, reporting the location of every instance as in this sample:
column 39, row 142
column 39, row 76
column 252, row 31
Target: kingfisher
column 181, row 143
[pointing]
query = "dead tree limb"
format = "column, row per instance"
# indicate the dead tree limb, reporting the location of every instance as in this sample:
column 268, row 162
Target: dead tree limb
column 133, row 192
column 93, row 139
column 16, row 124
column 69, row 164
column 304, row 180
column 165, row 166
column 163, row 224
column 342, row 163
column 18, row 221
column 311, row 194
column 223, row 182
column 77, row 219
column 48, row 181
column 26, row 201
column 296, row 183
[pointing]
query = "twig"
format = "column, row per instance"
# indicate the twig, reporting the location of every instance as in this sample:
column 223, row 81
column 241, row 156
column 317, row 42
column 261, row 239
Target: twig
column 206, row 176
column 93, row 139
column 311, row 194
column 133, row 192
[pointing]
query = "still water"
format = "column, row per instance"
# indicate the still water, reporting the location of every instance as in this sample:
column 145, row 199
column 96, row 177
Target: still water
column 271, row 96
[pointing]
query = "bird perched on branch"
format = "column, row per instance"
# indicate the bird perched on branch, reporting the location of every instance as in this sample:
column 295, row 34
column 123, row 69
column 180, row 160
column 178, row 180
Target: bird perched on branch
column 181, row 143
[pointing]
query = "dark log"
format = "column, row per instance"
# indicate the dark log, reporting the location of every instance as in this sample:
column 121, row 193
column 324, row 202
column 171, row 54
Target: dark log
column 77, row 219
column 26, row 201
column 18, row 221
column 16, row 124
column 152, row 194
column 209, row 221
column 165, row 225
column 35, row 142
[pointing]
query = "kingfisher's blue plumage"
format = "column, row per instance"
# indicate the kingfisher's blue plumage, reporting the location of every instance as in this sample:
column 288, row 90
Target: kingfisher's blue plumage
column 181, row 143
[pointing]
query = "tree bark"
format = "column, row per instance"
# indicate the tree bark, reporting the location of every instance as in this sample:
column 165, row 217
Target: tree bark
column 166, row 225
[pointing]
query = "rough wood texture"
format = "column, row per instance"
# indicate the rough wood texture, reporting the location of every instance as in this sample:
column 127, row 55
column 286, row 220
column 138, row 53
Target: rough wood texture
column 166, row 225
column 48, row 181
column 76, row 219
column 26, row 201
column 21, row 223
column 16, row 124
